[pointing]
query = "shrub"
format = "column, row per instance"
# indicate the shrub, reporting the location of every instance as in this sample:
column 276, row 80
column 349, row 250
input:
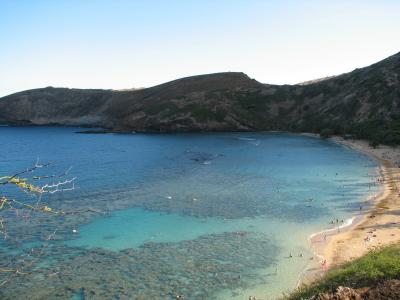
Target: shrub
column 374, row 143
column 326, row 133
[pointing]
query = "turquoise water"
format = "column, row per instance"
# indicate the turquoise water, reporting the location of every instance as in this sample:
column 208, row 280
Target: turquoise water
column 207, row 216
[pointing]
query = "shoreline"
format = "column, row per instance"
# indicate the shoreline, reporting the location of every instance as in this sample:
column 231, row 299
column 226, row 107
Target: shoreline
column 377, row 226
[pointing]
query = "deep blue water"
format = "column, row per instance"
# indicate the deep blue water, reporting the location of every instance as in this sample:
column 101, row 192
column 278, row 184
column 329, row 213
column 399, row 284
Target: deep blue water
column 223, row 206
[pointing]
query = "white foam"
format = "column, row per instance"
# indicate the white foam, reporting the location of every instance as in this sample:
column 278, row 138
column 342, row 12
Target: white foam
column 246, row 139
column 345, row 224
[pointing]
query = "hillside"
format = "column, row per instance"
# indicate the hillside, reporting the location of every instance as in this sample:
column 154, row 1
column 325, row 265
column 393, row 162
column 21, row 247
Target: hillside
column 364, row 102
column 375, row 275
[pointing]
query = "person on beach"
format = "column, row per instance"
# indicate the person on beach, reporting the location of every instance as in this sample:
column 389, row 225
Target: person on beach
column 324, row 264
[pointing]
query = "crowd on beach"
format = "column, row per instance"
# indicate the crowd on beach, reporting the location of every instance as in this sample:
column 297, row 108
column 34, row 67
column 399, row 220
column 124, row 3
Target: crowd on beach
column 385, row 153
column 339, row 224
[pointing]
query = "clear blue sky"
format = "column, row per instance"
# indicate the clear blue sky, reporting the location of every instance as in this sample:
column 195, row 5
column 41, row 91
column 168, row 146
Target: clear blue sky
column 123, row 44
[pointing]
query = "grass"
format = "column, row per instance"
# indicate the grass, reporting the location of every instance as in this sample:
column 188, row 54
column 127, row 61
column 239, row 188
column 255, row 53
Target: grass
column 375, row 266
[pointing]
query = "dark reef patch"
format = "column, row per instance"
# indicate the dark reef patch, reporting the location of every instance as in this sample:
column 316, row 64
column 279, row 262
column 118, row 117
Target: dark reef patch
column 197, row 269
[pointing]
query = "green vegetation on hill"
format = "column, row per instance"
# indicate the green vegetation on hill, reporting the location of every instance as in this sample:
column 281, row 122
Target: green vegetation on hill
column 376, row 131
column 368, row 270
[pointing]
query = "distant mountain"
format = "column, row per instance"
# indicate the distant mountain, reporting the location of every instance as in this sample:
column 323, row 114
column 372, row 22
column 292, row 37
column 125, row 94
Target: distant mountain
column 364, row 102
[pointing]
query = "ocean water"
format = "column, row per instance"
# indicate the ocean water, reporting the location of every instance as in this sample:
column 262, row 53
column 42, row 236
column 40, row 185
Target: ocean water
column 206, row 216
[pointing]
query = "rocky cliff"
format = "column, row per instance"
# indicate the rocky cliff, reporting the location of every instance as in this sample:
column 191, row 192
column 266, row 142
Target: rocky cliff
column 384, row 290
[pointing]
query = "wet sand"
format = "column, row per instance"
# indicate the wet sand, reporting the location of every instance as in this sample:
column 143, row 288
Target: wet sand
column 375, row 227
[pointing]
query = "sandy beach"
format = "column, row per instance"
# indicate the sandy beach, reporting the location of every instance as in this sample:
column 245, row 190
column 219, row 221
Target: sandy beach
column 370, row 228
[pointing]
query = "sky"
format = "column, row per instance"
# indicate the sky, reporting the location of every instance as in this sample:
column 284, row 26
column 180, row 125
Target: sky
column 120, row 44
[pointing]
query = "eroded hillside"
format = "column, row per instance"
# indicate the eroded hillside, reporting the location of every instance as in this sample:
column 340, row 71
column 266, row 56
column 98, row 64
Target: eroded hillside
column 364, row 102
